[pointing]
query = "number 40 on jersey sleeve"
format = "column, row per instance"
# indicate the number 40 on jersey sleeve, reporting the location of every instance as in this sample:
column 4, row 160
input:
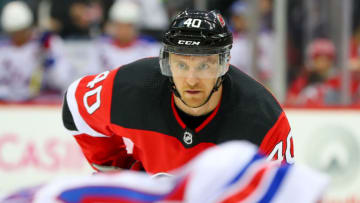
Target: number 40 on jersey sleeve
column 94, row 106
column 278, row 150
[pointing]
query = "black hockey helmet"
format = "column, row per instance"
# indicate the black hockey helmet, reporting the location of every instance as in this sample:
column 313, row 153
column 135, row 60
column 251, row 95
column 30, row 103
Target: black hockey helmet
column 199, row 33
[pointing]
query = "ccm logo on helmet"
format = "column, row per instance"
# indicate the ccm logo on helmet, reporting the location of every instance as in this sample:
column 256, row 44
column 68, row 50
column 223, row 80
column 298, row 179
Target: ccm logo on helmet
column 191, row 43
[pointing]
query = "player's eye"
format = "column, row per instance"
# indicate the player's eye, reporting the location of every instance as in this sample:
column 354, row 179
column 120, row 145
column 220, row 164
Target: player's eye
column 203, row 66
column 181, row 66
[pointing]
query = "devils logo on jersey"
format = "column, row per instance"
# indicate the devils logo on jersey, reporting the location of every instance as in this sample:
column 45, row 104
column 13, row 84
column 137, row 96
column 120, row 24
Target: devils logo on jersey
column 188, row 137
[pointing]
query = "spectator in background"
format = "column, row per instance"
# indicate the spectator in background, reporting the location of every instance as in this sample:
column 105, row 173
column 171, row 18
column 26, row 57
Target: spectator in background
column 318, row 84
column 241, row 51
column 76, row 18
column 29, row 61
column 122, row 44
column 32, row 4
column 154, row 18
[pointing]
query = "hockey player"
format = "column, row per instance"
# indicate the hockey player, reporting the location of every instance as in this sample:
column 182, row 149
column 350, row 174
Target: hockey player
column 159, row 113
column 29, row 61
column 243, row 176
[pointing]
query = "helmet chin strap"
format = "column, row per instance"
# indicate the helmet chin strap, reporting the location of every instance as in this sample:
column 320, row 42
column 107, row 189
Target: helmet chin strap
column 214, row 89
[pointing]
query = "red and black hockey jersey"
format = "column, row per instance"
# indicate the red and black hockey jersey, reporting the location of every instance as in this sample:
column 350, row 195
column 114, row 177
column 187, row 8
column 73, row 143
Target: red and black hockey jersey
column 127, row 116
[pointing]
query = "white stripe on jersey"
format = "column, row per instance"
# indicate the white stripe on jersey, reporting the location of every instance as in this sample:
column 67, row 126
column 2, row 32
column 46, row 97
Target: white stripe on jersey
column 80, row 123
column 129, row 145
column 74, row 132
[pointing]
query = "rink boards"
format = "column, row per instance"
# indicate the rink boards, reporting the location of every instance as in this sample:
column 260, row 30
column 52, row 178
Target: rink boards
column 35, row 147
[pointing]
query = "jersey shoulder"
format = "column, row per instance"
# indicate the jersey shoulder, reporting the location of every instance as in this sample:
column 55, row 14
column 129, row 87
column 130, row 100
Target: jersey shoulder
column 251, row 108
column 87, row 104
column 139, row 88
column 253, row 95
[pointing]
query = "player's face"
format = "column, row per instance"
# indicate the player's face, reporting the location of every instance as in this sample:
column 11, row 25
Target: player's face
column 322, row 64
column 124, row 32
column 21, row 37
column 194, row 76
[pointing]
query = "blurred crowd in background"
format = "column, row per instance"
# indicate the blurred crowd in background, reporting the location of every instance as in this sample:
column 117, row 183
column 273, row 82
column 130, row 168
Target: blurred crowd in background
column 47, row 44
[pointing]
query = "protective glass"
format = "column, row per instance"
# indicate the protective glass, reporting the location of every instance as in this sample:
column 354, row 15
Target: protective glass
column 194, row 65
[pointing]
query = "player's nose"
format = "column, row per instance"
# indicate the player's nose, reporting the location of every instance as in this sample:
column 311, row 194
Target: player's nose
column 192, row 78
